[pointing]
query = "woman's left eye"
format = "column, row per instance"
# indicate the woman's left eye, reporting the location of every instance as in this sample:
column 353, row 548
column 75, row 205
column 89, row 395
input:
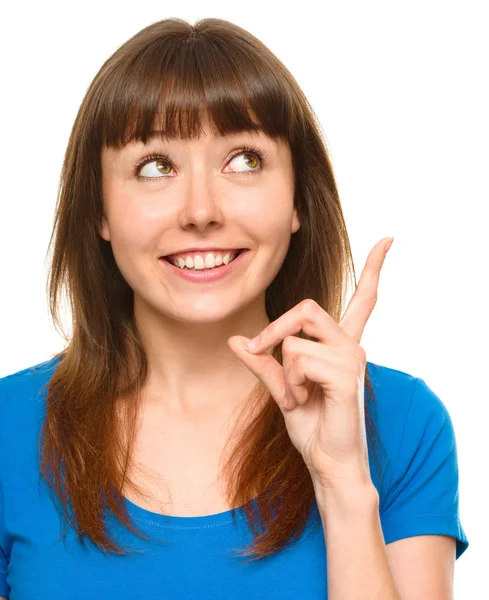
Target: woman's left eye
column 253, row 158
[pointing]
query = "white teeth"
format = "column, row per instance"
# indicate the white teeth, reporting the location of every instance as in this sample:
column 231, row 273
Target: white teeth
column 211, row 261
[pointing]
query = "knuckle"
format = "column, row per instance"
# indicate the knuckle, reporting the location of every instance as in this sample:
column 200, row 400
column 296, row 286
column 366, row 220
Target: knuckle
column 288, row 344
column 309, row 306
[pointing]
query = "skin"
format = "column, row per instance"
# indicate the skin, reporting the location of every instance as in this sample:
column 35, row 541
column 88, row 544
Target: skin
column 200, row 196
column 320, row 387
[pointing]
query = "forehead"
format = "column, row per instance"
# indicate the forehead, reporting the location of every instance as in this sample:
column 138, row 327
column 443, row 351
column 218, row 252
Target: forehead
column 208, row 136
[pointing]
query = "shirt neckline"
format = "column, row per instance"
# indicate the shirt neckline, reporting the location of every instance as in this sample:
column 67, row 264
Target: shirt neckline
column 183, row 522
column 196, row 522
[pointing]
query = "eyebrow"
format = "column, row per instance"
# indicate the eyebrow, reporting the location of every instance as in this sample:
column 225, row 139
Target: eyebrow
column 154, row 133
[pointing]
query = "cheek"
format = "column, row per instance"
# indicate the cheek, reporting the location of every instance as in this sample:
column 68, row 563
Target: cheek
column 133, row 235
column 271, row 215
column 133, row 224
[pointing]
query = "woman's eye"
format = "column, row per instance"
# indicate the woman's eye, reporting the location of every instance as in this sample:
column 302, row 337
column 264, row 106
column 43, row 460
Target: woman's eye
column 250, row 159
column 161, row 168
column 164, row 167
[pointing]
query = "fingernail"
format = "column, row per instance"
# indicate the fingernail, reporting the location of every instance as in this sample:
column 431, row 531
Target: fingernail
column 252, row 344
column 388, row 245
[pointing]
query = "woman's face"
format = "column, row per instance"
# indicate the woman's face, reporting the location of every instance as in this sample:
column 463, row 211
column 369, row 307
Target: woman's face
column 203, row 192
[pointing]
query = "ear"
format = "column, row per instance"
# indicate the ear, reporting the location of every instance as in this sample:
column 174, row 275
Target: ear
column 104, row 229
column 295, row 221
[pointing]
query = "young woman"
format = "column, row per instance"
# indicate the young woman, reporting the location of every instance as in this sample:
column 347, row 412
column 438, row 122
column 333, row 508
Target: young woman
column 198, row 209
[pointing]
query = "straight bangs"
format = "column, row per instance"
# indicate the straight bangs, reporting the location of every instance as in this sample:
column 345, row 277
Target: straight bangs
column 172, row 85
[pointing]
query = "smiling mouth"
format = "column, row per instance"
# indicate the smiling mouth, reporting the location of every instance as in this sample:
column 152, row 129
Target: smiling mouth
column 175, row 263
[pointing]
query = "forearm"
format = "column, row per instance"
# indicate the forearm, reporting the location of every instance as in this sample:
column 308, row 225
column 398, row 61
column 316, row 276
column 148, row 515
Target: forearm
column 357, row 562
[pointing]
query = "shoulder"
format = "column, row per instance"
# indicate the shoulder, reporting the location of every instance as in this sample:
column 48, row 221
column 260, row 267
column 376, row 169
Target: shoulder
column 29, row 376
column 401, row 396
column 22, row 392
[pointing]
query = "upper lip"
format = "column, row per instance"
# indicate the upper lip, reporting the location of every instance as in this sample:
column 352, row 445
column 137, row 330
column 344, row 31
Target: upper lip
column 204, row 249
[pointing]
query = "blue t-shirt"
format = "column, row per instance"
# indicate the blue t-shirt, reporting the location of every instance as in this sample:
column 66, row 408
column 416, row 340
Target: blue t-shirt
column 418, row 495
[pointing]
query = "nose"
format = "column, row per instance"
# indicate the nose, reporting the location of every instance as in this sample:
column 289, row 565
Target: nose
column 201, row 207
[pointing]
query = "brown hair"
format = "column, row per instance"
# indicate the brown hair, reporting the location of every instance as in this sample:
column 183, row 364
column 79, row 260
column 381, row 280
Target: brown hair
column 217, row 69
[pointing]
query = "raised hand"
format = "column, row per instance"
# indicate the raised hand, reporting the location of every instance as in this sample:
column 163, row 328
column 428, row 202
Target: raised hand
column 320, row 387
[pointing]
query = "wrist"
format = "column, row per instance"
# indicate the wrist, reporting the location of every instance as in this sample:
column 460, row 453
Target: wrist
column 347, row 499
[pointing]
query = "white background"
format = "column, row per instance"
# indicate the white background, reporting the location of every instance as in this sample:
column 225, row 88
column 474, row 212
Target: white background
column 401, row 92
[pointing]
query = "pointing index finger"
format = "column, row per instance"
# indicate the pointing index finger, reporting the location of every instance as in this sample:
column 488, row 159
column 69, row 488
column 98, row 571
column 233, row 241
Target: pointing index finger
column 364, row 299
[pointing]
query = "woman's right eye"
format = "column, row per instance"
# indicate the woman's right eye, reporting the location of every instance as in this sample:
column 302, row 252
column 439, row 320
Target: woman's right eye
column 163, row 167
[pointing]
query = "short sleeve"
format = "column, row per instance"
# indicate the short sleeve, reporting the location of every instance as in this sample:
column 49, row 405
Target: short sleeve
column 423, row 497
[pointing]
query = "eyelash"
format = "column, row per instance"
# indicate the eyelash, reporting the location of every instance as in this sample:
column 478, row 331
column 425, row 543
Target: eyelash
column 262, row 156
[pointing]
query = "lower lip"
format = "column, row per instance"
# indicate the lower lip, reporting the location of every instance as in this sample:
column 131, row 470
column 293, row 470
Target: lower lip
column 207, row 275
